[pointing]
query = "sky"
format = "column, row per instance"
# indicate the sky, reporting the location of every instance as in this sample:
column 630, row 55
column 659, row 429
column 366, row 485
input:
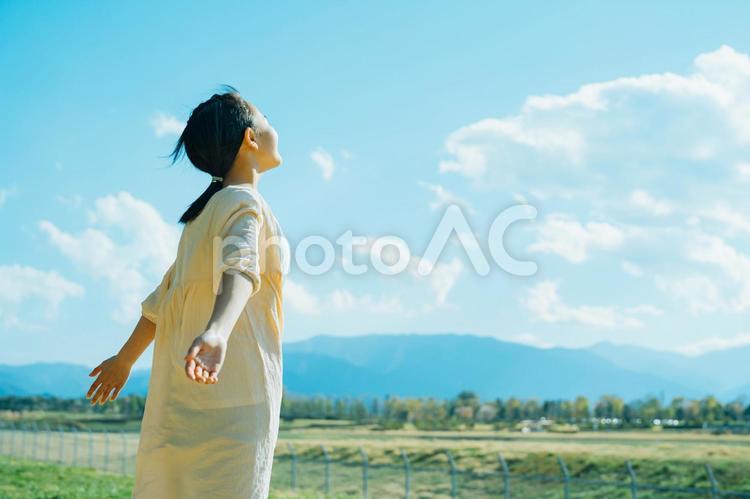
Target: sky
column 623, row 126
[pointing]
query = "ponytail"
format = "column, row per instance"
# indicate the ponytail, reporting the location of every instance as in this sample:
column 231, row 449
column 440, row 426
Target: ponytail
column 197, row 206
column 211, row 138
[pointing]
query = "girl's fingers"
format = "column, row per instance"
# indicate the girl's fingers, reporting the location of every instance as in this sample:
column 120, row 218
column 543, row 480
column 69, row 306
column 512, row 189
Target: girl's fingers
column 97, row 394
column 94, row 386
column 105, row 394
column 116, row 392
column 95, row 370
column 199, row 372
column 190, row 369
column 193, row 351
column 203, row 373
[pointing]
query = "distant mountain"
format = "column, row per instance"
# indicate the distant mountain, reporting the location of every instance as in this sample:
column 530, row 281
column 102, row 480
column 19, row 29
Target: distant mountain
column 442, row 365
column 722, row 373
column 58, row 379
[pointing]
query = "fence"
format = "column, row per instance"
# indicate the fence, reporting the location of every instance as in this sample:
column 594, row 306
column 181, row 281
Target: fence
column 115, row 452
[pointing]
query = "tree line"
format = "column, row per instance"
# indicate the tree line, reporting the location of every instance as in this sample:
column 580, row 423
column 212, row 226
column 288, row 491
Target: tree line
column 464, row 410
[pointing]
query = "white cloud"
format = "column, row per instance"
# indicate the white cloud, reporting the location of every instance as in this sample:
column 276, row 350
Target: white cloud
column 644, row 200
column 344, row 300
column 300, row 299
column 21, row 283
column 6, row 193
column 324, row 161
column 735, row 265
column 544, row 301
column 644, row 309
column 163, row 124
column 530, row 340
column 346, row 154
column 444, row 197
column 149, row 246
column 734, row 220
column 714, row 344
column 307, row 303
column 567, row 237
column 698, row 292
column 632, row 269
column 72, row 201
column 677, row 134
column 444, row 277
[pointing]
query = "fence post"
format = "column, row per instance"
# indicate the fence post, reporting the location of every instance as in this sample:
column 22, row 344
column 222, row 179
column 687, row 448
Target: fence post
column 124, row 452
column 106, row 450
column 407, row 474
column 327, row 459
column 47, row 441
column 23, row 439
column 75, row 446
column 294, row 466
column 714, row 483
column 506, row 476
column 364, row 472
column 62, row 443
column 633, row 482
column 91, row 449
column 12, row 439
column 454, row 487
column 34, row 440
column 566, row 477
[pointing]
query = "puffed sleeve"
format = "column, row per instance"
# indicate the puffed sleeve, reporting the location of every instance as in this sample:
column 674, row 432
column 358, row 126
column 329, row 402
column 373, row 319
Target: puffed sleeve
column 240, row 239
column 150, row 306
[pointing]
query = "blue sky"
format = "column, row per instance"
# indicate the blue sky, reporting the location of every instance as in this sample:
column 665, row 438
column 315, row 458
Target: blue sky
column 626, row 125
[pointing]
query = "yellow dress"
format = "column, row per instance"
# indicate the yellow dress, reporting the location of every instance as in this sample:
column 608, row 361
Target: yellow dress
column 216, row 441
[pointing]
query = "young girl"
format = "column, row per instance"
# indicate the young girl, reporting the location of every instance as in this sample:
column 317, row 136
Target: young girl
column 211, row 418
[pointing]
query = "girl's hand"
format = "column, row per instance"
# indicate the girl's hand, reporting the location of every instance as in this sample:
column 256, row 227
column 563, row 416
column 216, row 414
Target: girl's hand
column 113, row 373
column 205, row 357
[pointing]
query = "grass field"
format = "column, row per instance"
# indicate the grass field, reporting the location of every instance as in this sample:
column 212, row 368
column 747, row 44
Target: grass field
column 26, row 479
column 666, row 458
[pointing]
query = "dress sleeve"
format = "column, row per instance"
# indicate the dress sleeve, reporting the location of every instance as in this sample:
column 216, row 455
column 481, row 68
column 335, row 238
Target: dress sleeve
column 150, row 306
column 240, row 240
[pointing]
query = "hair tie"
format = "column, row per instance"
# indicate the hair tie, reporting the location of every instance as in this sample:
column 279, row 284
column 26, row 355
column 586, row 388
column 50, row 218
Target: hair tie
column 214, row 178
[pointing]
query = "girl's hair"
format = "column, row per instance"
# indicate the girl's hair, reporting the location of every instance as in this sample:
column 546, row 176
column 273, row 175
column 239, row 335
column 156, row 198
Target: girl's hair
column 211, row 138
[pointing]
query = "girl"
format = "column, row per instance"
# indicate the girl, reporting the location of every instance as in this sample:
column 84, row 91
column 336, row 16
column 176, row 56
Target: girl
column 211, row 417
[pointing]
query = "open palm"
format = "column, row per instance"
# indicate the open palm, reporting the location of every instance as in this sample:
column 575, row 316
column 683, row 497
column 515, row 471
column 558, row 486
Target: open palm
column 205, row 357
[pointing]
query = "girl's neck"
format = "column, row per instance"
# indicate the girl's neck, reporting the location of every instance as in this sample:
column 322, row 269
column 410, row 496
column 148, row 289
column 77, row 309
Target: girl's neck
column 242, row 177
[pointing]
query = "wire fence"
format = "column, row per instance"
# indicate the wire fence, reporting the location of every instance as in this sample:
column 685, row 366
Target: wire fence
column 114, row 451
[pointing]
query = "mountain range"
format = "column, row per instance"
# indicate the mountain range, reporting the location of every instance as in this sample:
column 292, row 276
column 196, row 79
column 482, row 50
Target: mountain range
column 442, row 365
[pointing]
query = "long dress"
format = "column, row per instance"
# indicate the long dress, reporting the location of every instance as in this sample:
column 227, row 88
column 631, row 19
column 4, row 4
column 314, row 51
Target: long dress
column 218, row 440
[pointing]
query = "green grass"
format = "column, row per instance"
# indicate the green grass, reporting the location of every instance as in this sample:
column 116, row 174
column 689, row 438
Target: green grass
column 31, row 479
column 672, row 459
column 22, row 478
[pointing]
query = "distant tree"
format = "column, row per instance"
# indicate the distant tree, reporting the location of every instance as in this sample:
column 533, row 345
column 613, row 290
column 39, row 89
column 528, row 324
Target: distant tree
column 711, row 410
column 513, row 410
column 609, row 406
column 581, row 409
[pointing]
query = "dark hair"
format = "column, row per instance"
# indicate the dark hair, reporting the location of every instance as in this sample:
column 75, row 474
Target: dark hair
column 211, row 138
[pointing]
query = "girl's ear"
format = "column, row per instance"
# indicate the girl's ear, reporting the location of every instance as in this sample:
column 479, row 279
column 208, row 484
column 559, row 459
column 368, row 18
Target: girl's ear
column 250, row 139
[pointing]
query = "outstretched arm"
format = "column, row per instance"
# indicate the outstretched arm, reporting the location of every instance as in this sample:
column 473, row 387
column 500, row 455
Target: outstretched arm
column 114, row 372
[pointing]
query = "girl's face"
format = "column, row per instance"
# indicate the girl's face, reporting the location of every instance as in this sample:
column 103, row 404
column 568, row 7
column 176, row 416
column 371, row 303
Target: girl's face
column 266, row 152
